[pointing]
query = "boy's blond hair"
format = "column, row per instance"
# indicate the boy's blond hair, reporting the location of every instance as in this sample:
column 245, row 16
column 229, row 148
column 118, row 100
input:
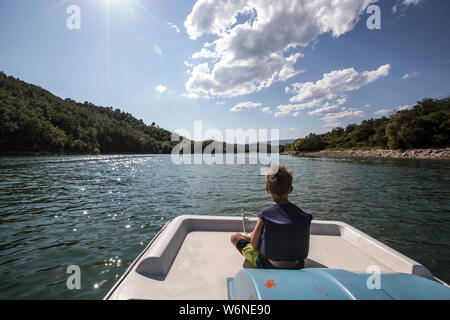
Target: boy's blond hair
column 279, row 180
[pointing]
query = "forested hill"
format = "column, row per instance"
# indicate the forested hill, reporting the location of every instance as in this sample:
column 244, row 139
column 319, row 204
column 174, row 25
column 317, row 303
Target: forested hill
column 32, row 120
column 426, row 125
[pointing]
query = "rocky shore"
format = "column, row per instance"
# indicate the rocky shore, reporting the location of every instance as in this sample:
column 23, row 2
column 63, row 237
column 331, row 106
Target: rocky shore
column 440, row 154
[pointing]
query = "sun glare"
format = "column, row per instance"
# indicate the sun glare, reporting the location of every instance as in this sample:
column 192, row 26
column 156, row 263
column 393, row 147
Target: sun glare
column 115, row 2
column 123, row 4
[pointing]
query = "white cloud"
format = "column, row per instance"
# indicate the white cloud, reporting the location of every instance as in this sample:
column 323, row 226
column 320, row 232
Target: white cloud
column 411, row 2
column 402, row 4
column 161, row 89
column 220, row 102
column 335, row 83
column 228, row 81
column 266, row 110
column 173, row 26
column 402, row 108
column 327, row 95
column 205, row 54
column 345, row 113
column 329, row 107
column 191, row 95
column 212, row 17
column 324, row 110
column 285, row 110
column 245, row 106
column 332, row 113
column 383, row 112
column 251, row 53
column 411, row 75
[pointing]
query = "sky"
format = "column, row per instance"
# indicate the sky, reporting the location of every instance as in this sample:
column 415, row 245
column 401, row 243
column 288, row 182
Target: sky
column 299, row 66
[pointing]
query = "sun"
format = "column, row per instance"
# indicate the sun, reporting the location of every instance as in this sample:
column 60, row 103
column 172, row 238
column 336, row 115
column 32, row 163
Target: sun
column 113, row 2
column 110, row 3
column 122, row 4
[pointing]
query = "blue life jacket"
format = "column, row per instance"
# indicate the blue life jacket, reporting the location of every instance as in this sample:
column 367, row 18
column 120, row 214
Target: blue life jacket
column 286, row 232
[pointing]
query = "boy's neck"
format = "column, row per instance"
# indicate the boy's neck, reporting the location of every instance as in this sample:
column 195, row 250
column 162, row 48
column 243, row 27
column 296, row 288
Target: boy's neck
column 281, row 201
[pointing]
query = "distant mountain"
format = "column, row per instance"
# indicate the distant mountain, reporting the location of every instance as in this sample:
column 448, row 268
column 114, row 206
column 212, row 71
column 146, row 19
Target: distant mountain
column 285, row 142
column 32, row 120
column 280, row 142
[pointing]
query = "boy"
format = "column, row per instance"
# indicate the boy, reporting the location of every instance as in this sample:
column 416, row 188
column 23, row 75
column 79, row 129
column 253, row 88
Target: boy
column 280, row 239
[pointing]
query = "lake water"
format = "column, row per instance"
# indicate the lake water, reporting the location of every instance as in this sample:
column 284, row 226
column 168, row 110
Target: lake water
column 99, row 212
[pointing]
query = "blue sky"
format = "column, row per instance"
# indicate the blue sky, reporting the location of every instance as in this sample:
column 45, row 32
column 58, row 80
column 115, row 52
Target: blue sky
column 285, row 68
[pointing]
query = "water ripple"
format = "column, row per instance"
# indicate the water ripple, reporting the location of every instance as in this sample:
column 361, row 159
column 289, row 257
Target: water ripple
column 99, row 212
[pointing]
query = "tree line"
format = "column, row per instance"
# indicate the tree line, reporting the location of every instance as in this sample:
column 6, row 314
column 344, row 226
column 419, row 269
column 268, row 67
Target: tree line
column 33, row 120
column 425, row 125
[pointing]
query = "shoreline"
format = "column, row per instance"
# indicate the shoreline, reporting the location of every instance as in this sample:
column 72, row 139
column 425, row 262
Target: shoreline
column 55, row 154
column 430, row 153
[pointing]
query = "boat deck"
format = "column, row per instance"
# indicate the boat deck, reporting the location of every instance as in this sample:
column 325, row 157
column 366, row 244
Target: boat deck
column 188, row 261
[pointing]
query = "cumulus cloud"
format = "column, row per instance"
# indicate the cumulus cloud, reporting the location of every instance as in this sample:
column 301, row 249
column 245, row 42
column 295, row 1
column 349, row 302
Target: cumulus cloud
column 335, row 83
column 161, row 89
column 251, row 53
column 327, row 95
column 324, row 110
column 333, row 117
column 245, row 106
column 285, row 110
column 266, row 110
column 344, row 113
column 205, row 54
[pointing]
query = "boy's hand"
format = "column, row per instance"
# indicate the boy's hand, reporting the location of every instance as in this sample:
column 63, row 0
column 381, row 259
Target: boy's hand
column 248, row 237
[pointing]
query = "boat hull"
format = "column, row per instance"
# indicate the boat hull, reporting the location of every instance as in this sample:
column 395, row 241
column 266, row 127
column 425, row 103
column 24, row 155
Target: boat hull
column 192, row 258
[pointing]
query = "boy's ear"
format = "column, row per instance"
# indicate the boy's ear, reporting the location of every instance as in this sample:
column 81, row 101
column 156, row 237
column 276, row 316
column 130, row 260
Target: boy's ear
column 292, row 189
column 267, row 190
